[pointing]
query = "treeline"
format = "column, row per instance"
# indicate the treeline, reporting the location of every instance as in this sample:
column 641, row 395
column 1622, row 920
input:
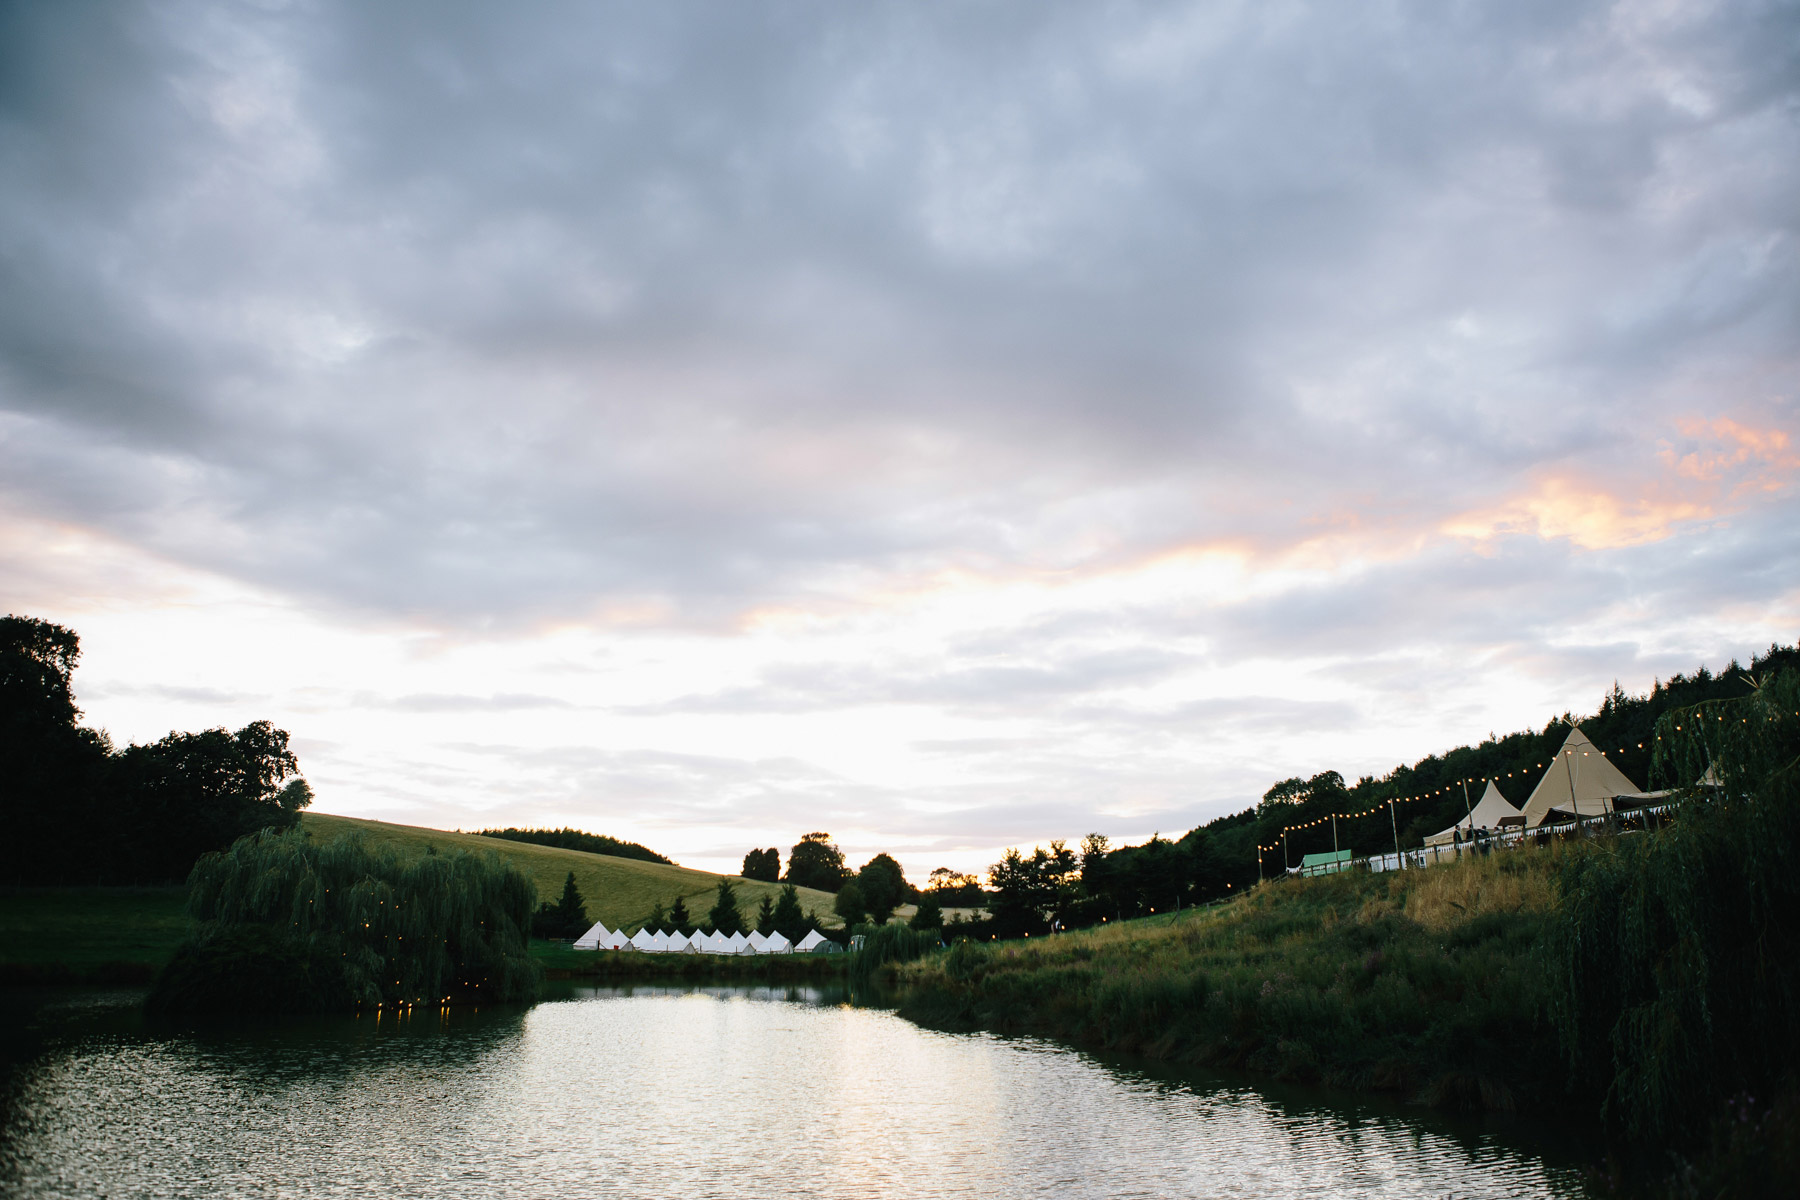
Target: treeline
column 577, row 839
column 76, row 810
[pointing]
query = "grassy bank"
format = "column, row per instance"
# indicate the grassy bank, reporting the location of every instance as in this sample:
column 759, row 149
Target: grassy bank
column 90, row 934
column 618, row 891
column 560, row 962
column 1425, row 983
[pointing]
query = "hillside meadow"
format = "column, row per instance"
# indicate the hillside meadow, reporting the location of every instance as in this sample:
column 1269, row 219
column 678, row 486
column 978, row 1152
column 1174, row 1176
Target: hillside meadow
column 1423, row 982
column 618, row 891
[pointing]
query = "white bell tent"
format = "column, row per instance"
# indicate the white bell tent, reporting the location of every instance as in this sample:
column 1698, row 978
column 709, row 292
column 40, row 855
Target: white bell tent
column 1492, row 810
column 1580, row 782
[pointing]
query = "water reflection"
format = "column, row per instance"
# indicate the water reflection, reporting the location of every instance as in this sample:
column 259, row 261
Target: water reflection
column 683, row 1091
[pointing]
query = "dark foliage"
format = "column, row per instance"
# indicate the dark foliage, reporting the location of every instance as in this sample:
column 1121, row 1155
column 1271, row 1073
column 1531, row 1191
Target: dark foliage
column 567, row 918
column 883, row 887
column 765, row 916
column 929, row 916
column 76, row 812
column 850, row 905
column 816, row 862
column 680, row 920
column 791, row 920
column 339, row 926
column 764, row 866
column 576, row 839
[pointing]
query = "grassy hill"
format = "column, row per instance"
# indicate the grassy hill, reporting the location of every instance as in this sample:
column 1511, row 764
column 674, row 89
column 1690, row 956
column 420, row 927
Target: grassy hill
column 618, row 891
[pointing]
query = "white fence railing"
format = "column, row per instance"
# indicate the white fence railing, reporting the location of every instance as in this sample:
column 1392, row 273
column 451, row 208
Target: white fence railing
column 1484, row 841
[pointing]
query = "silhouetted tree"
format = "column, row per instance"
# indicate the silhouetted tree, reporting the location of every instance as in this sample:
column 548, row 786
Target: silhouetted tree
column 816, row 862
column 679, row 917
column 567, row 918
column 883, row 887
column 765, row 916
column 929, row 916
column 763, row 866
column 850, row 905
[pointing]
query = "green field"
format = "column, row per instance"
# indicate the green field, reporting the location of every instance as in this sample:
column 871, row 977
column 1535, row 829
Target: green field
column 98, row 934
column 618, row 891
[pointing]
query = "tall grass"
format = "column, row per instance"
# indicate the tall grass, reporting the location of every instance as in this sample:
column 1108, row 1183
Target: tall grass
column 889, row 945
column 341, row 924
column 1421, row 981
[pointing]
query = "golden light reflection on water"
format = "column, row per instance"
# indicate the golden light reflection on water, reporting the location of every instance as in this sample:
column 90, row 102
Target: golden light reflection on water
column 686, row 1093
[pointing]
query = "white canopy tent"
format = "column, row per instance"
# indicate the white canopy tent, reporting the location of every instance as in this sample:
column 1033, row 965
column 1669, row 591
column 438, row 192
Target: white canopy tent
column 739, row 944
column 806, row 944
column 1489, row 813
column 643, row 940
column 591, row 940
column 1580, row 782
column 758, row 942
column 777, row 944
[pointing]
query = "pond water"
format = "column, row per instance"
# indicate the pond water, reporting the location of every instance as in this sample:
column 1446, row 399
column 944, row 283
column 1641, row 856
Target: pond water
column 683, row 1092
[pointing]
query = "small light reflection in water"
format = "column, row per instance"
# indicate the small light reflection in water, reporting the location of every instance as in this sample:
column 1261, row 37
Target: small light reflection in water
column 682, row 1092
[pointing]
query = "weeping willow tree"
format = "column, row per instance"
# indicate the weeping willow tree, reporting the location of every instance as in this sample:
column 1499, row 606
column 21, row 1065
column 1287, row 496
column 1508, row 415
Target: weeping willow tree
column 287, row 922
column 1677, row 953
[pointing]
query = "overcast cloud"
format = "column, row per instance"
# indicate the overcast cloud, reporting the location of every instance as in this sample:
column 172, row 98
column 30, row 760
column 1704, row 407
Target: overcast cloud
column 949, row 426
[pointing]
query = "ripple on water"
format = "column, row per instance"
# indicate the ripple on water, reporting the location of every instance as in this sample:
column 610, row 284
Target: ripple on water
column 685, row 1093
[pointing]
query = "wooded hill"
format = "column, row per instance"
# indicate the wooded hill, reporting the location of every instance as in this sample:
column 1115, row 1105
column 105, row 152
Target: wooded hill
column 1623, row 728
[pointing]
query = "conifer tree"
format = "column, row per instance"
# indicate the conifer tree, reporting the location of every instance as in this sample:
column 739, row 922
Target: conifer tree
column 765, row 916
column 679, row 917
column 790, row 921
column 725, row 917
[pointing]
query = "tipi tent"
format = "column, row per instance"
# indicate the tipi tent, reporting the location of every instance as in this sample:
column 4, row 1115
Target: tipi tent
column 643, row 940
column 778, row 944
column 1488, row 814
column 810, row 942
column 1580, row 782
column 740, row 944
column 616, row 940
column 591, row 940
column 677, row 943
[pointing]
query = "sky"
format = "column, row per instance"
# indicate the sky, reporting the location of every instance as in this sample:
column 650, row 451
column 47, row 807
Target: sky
column 948, row 427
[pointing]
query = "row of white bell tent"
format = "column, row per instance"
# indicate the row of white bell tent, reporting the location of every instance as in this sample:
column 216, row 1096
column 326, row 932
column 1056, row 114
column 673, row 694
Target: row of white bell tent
column 600, row 938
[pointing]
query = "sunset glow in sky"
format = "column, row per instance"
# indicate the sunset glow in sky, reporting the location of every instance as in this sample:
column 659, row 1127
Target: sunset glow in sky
column 950, row 427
